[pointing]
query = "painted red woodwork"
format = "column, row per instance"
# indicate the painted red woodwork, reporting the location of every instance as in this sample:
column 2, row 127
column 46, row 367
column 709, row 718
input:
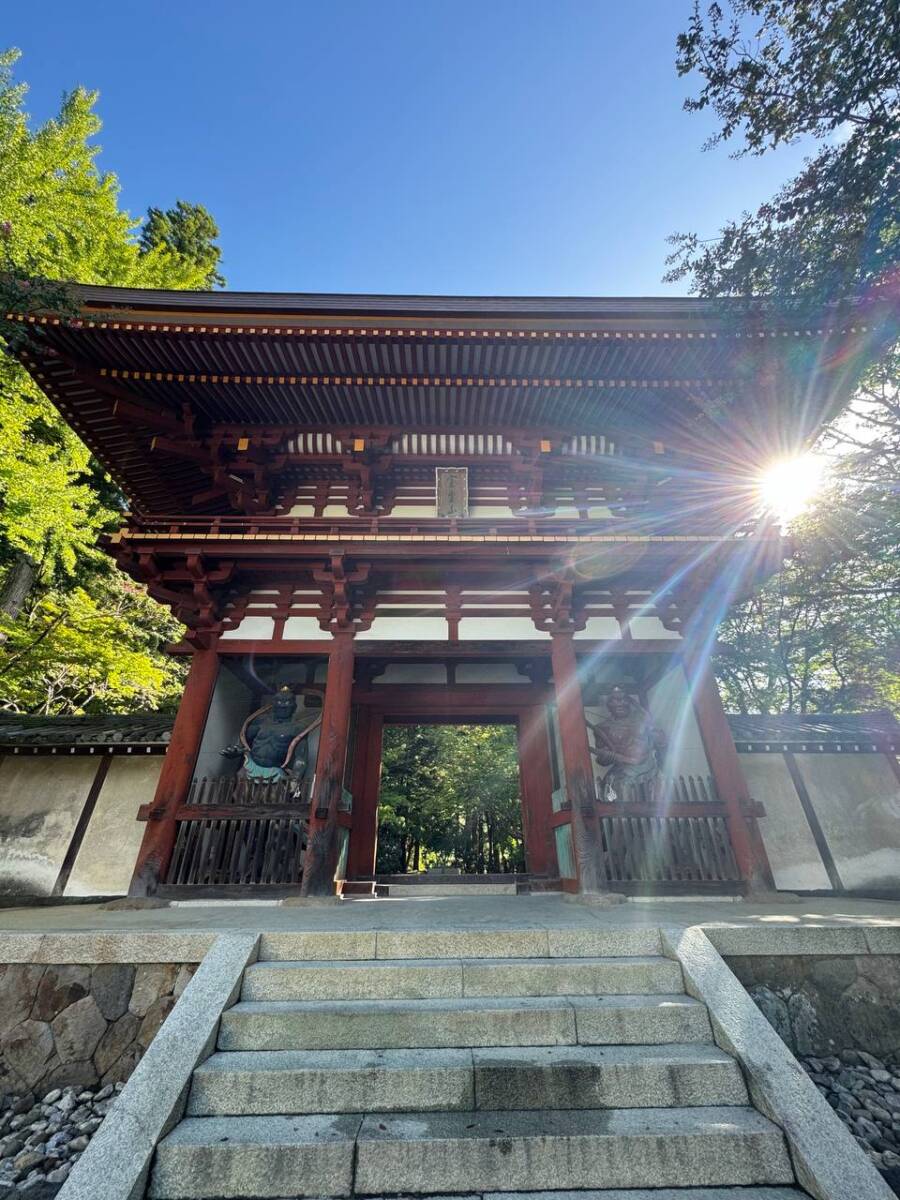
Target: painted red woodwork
column 536, row 784
column 576, row 755
column 322, row 845
column 366, row 782
column 177, row 772
column 725, row 766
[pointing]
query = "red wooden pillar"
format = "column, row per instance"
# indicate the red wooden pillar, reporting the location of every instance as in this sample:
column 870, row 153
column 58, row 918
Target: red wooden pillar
column 715, row 732
column 322, row 844
column 536, row 783
column 177, row 772
column 576, row 755
column 366, row 781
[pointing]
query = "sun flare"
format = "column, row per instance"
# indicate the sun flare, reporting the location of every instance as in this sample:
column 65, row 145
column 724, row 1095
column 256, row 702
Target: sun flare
column 787, row 487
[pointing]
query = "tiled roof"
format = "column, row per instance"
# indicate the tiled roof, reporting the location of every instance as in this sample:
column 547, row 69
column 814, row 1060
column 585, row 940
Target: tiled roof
column 879, row 726
column 575, row 365
column 137, row 729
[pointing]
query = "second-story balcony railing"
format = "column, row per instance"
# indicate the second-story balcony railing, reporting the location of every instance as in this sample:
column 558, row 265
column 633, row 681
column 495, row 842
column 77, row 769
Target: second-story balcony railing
column 365, row 528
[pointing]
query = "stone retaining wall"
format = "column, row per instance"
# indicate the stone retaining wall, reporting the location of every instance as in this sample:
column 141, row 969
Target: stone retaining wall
column 822, row 1004
column 80, row 1025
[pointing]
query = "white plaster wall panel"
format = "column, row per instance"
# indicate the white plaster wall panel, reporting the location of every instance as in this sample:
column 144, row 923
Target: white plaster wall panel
column 302, row 510
column 106, row 859
column 335, row 510
column 598, row 511
column 489, row 673
column 259, row 629
column 856, row 798
column 595, row 715
column 600, row 629
column 406, row 629
column 412, row 510
column 307, row 712
column 425, row 607
column 413, row 673
column 793, row 855
column 231, row 702
column 40, row 802
column 491, row 510
column 305, row 629
column 652, row 627
column 670, row 705
column 499, row 629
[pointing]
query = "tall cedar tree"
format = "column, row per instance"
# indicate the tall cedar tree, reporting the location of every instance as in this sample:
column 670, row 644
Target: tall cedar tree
column 449, row 797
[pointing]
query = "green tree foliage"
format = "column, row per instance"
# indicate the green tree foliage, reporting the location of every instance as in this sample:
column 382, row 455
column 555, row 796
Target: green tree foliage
column 60, row 221
column 189, row 233
column 825, row 635
column 450, row 797
column 91, row 649
column 775, row 72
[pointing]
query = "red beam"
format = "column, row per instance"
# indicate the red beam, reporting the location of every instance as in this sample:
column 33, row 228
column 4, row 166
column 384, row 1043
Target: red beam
column 134, row 413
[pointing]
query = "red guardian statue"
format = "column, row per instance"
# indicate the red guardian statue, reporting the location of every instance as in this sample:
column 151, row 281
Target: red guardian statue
column 631, row 745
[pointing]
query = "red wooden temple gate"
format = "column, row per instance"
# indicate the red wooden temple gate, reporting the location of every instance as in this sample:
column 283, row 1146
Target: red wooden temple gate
column 507, row 507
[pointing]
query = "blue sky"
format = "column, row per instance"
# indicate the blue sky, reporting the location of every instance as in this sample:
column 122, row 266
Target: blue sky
column 495, row 147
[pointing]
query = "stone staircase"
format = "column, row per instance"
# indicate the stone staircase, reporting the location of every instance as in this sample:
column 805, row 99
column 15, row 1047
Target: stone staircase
column 471, row 1072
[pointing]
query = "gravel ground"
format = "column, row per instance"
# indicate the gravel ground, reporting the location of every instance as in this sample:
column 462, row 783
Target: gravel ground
column 41, row 1139
column 865, row 1093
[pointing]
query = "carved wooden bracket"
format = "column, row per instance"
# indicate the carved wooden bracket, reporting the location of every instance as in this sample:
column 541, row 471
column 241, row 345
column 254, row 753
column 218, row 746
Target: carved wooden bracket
column 347, row 604
column 364, row 460
column 526, row 487
column 193, row 589
column 556, row 606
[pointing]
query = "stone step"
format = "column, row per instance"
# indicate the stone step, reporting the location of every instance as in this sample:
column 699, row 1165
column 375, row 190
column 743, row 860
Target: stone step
column 237, row 1157
column 433, row 978
column 434, row 1153
column 457, row 890
column 461, row 1023
column 597, row 942
column 553, row 1077
column 727, row 1193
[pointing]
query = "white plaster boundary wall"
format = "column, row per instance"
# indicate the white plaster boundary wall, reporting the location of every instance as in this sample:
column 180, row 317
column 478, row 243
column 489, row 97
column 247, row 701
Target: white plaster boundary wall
column 116, row 1163
column 42, row 798
column 827, row 1161
column 105, row 862
column 855, row 802
column 793, row 854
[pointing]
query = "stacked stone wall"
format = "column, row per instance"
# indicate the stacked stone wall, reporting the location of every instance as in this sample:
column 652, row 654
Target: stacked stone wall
column 840, row 1014
column 81, row 1025
column 822, row 1004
